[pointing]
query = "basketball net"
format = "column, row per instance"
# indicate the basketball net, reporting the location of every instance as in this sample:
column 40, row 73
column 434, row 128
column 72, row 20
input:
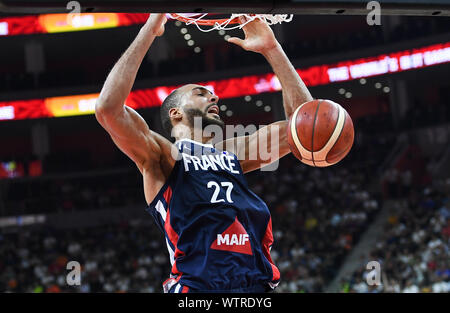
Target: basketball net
column 199, row 19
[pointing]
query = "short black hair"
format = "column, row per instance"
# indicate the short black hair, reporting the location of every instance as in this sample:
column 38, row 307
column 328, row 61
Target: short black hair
column 171, row 101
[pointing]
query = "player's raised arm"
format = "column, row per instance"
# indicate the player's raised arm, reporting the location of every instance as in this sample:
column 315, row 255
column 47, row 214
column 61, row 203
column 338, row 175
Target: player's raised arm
column 259, row 38
column 127, row 128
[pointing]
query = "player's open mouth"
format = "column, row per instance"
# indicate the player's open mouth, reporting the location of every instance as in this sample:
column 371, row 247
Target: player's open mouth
column 214, row 109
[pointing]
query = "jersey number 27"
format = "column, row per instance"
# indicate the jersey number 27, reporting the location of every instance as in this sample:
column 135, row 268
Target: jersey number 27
column 216, row 186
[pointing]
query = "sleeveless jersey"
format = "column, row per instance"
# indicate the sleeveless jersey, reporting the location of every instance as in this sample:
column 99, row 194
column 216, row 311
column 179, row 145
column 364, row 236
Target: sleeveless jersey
column 218, row 232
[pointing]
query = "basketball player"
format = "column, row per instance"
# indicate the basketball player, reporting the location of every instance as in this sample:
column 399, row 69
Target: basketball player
column 217, row 231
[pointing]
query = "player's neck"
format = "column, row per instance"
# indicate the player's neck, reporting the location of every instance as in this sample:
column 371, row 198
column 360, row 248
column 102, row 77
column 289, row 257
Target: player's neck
column 182, row 133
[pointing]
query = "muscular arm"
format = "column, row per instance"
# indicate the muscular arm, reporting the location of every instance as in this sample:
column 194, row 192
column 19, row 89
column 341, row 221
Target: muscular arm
column 260, row 38
column 264, row 146
column 126, row 127
column 294, row 90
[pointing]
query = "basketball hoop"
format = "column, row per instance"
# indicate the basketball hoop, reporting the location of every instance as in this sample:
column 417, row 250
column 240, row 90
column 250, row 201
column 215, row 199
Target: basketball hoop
column 199, row 19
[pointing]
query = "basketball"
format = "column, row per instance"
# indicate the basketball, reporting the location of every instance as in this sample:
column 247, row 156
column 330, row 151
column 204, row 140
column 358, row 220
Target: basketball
column 320, row 133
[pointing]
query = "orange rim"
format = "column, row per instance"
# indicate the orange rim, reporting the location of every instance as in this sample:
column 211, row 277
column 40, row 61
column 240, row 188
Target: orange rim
column 205, row 22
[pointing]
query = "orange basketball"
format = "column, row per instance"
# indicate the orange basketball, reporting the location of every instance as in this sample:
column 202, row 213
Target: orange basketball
column 320, row 133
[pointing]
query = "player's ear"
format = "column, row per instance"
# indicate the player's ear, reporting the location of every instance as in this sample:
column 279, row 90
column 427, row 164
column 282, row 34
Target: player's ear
column 175, row 114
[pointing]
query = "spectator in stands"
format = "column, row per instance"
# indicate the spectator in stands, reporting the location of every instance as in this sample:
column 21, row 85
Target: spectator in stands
column 414, row 249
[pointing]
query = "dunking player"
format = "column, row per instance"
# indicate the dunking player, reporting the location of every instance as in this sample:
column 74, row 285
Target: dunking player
column 217, row 231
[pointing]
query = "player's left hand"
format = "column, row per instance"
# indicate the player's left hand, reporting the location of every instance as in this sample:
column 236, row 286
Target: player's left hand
column 259, row 36
column 156, row 22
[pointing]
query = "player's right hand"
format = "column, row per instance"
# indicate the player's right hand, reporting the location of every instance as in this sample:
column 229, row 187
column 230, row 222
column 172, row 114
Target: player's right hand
column 156, row 23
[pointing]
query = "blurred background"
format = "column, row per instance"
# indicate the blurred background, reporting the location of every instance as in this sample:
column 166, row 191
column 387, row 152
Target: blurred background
column 67, row 193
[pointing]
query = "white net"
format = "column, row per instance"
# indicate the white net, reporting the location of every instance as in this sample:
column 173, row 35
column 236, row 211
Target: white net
column 225, row 24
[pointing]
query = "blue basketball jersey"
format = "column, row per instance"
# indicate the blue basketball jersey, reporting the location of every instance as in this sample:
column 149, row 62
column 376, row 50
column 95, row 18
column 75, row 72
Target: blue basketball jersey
column 217, row 231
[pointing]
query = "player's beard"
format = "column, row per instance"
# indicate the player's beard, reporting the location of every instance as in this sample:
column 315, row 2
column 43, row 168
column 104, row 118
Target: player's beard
column 205, row 119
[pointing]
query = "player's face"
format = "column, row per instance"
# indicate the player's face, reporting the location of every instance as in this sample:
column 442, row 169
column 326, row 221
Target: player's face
column 200, row 102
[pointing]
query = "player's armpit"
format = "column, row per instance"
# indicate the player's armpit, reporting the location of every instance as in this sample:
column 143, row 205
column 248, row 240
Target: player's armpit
column 231, row 145
column 265, row 146
column 131, row 134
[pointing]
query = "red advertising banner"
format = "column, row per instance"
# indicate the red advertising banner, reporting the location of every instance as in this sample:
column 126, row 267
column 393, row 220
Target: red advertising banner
column 237, row 87
column 57, row 23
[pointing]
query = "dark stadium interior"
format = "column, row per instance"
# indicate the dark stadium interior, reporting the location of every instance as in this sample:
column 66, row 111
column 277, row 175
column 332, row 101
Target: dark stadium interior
column 91, row 194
